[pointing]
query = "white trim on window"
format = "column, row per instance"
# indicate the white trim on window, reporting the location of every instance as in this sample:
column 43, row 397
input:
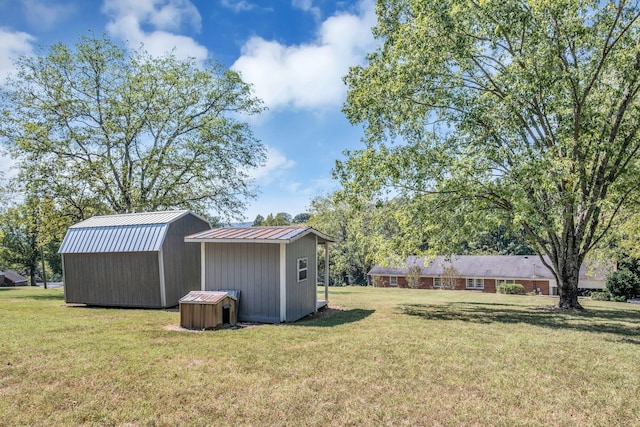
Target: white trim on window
column 303, row 268
column 437, row 282
column 505, row 281
column 393, row 280
column 475, row 283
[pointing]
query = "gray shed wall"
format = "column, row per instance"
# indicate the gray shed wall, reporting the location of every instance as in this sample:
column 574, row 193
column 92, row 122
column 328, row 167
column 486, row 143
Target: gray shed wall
column 130, row 279
column 251, row 268
column 181, row 260
column 301, row 296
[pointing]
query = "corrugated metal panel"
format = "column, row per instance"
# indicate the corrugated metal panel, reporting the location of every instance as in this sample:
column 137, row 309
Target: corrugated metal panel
column 209, row 297
column 143, row 218
column 256, row 234
column 133, row 238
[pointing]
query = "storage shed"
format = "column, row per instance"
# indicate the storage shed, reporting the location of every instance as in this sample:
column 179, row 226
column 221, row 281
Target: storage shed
column 274, row 268
column 132, row 260
column 208, row 310
column 12, row 278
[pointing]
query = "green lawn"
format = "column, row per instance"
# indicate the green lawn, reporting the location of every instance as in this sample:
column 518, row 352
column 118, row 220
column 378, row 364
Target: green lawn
column 387, row 357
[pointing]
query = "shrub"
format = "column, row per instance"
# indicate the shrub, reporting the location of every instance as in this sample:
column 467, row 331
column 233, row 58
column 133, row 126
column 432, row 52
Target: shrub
column 600, row 296
column 511, row 288
column 378, row 281
column 623, row 285
column 413, row 276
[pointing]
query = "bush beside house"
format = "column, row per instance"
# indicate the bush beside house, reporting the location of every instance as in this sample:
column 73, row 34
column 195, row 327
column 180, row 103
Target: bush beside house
column 622, row 285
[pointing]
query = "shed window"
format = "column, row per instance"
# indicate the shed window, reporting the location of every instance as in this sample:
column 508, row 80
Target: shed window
column 302, row 269
column 393, row 280
column 437, row 282
column 475, row 283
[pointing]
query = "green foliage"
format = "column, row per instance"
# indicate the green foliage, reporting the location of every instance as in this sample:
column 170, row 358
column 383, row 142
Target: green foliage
column 101, row 129
column 374, row 234
column 511, row 289
column 520, row 112
column 258, row 221
column 29, row 231
column 623, row 285
column 600, row 296
column 301, row 218
column 281, row 219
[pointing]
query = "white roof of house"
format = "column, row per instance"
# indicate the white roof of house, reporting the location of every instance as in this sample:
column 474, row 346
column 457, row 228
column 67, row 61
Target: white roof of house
column 137, row 232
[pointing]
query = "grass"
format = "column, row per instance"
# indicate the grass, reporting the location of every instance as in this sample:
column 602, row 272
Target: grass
column 386, row 357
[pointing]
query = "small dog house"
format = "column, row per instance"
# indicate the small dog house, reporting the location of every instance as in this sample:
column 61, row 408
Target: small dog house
column 275, row 268
column 132, row 260
column 208, row 310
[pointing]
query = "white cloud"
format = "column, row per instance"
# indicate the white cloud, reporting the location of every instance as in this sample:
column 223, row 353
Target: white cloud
column 238, row 5
column 45, row 15
column 309, row 75
column 307, row 6
column 274, row 167
column 12, row 45
column 128, row 20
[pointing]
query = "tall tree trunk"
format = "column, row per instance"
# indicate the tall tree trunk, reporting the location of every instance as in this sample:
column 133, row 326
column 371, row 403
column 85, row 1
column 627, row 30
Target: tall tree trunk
column 44, row 271
column 568, row 274
column 32, row 274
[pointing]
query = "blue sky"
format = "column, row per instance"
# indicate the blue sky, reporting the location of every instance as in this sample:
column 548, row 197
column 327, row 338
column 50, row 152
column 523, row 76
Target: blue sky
column 294, row 52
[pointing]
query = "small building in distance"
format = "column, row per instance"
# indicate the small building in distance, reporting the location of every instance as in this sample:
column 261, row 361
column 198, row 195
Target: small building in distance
column 12, row 278
column 274, row 268
column 132, row 260
column 485, row 272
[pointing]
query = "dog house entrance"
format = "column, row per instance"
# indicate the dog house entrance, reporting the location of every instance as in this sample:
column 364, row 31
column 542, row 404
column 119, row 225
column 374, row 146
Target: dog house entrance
column 226, row 314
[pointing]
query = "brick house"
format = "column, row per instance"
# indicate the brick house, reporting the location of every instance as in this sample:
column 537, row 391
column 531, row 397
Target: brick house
column 484, row 273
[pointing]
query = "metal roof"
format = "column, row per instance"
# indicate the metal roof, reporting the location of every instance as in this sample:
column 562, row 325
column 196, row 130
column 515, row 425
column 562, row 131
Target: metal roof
column 142, row 218
column 487, row 266
column 138, row 232
column 283, row 234
column 129, row 238
column 207, row 297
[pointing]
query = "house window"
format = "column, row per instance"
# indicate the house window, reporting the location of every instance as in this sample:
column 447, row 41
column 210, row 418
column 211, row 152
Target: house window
column 437, row 281
column 505, row 282
column 302, row 269
column 393, row 280
column 475, row 283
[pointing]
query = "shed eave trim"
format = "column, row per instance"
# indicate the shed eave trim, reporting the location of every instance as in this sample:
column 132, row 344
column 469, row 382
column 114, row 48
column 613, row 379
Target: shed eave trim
column 196, row 240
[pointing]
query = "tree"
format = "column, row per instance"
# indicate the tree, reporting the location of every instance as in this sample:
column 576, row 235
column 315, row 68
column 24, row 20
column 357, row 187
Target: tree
column 30, row 235
column 449, row 277
column 364, row 237
column 122, row 131
column 281, row 218
column 258, row 221
column 301, row 218
column 413, row 276
column 523, row 110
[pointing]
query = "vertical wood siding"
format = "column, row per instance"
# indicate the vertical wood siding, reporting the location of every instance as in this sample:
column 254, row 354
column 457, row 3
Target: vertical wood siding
column 251, row 268
column 113, row 279
column 182, row 260
column 301, row 296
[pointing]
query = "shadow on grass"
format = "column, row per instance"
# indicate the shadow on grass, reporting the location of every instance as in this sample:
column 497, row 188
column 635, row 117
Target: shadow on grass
column 623, row 322
column 47, row 297
column 329, row 317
